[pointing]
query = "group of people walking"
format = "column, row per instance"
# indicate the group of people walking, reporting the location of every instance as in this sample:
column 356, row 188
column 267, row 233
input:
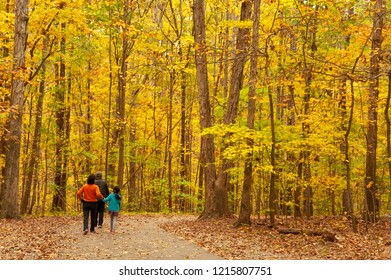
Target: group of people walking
column 94, row 195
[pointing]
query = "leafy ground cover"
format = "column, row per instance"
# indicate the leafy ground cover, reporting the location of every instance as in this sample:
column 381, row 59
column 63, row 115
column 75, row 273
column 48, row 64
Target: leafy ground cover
column 371, row 242
column 50, row 238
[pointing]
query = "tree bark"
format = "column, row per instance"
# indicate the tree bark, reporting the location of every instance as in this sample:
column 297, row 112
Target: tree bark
column 309, row 43
column 245, row 204
column 5, row 102
column 35, row 148
column 10, row 207
column 59, row 197
column 122, row 75
column 207, row 157
column 370, row 171
column 236, row 84
column 388, row 131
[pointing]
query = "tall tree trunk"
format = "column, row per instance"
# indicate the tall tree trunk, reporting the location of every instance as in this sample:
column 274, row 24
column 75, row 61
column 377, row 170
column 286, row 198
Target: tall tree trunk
column 109, row 166
column 169, row 141
column 59, row 197
column 184, row 166
column 122, row 75
column 370, row 170
column 10, row 207
column 388, row 133
column 349, row 195
column 35, row 148
column 132, row 189
column 272, row 190
column 127, row 45
column 184, row 136
column 273, row 198
column 346, row 123
column 310, row 43
column 236, row 83
column 207, row 156
column 133, row 195
column 245, row 204
column 88, row 124
column 4, row 100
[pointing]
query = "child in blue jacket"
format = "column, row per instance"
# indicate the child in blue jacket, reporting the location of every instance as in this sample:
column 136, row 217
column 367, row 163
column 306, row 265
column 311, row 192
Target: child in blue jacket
column 114, row 200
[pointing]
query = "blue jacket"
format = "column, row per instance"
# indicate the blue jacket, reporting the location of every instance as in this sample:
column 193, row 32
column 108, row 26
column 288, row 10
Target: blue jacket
column 114, row 204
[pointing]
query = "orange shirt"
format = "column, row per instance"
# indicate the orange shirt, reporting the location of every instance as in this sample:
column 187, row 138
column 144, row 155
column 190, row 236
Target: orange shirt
column 91, row 193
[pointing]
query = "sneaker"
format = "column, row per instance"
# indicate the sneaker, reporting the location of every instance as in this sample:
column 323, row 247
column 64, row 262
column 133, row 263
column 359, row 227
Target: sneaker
column 100, row 226
column 85, row 231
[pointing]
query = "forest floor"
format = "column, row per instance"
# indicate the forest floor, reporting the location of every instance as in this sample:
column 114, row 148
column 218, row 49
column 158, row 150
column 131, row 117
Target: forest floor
column 181, row 237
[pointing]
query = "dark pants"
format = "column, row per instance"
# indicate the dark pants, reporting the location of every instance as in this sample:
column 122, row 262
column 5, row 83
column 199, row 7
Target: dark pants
column 100, row 213
column 90, row 209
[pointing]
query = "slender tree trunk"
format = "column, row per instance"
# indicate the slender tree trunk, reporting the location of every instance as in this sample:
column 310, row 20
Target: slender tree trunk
column 122, row 80
column 9, row 205
column 169, row 140
column 88, row 125
column 35, row 149
column 121, row 117
column 183, row 153
column 245, row 205
column 132, row 189
column 242, row 45
column 310, row 42
column 35, row 192
column 59, row 197
column 388, row 133
column 345, row 127
column 109, row 166
column 350, row 209
column 272, row 191
column 370, row 171
column 184, row 138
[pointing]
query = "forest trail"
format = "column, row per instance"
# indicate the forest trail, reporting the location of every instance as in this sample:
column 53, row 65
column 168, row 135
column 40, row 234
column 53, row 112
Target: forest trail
column 184, row 237
column 136, row 238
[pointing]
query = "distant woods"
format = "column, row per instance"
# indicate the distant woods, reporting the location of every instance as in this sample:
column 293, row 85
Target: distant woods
column 257, row 108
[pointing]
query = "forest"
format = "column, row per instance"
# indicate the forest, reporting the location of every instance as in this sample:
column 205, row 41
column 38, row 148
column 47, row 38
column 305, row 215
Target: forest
column 255, row 108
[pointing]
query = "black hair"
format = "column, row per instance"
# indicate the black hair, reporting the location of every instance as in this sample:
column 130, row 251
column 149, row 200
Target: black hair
column 116, row 192
column 91, row 179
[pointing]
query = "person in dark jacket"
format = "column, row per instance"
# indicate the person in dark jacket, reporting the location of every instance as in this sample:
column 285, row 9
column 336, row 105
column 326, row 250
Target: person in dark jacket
column 104, row 190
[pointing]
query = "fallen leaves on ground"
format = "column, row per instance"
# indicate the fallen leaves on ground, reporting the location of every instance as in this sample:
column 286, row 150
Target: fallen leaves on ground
column 259, row 241
column 32, row 238
column 35, row 238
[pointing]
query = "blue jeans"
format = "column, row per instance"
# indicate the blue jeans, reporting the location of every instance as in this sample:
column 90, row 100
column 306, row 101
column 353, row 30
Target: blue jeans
column 89, row 209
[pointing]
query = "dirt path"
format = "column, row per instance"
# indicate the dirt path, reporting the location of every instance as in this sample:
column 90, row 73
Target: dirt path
column 137, row 238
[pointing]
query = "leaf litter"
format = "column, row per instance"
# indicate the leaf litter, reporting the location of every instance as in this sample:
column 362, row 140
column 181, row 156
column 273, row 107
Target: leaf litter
column 138, row 237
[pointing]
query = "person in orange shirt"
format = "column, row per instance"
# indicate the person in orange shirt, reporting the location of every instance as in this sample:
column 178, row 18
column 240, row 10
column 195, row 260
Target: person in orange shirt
column 89, row 194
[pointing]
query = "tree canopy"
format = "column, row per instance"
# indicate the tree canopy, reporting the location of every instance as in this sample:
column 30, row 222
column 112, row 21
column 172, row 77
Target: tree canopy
column 165, row 101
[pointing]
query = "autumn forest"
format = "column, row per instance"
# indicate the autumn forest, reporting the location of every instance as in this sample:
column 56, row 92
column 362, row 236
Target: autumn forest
column 255, row 108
